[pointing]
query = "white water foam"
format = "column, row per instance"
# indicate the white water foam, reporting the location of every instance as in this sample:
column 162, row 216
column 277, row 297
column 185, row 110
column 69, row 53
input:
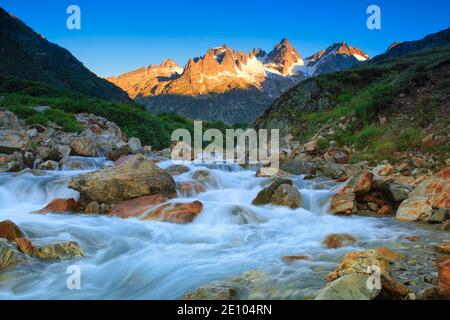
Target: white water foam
column 132, row 259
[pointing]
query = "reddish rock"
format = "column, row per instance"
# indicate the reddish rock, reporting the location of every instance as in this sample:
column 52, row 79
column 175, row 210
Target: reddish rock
column 384, row 211
column 444, row 279
column 136, row 207
column 10, row 231
column 61, row 205
column 414, row 209
column 436, row 189
column 419, row 180
column 361, row 261
column 433, row 193
column 384, row 170
column 25, row 245
column 334, row 241
column 342, row 204
column 403, row 179
column 362, row 182
column 180, row 213
column 388, row 254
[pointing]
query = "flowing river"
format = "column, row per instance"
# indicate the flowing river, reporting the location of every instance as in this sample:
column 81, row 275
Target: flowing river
column 133, row 259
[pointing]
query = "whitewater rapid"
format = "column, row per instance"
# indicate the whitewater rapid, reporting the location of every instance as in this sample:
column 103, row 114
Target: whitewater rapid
column 133, row 259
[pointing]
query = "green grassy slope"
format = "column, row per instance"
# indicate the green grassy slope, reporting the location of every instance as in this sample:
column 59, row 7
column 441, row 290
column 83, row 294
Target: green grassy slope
column 22, row 96
column 411, row 93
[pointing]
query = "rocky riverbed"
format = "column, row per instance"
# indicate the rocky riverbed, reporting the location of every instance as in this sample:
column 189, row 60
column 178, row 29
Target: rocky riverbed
column 142, row 227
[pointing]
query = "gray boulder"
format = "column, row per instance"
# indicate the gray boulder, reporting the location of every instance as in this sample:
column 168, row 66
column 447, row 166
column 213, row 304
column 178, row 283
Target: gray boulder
column 350, row 287
column 135, row 146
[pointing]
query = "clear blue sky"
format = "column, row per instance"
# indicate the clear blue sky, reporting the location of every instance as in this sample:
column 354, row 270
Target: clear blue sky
column 118, row 36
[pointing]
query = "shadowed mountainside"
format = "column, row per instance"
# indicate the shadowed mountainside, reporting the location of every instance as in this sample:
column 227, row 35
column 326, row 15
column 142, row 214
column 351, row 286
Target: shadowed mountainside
column 27, row 55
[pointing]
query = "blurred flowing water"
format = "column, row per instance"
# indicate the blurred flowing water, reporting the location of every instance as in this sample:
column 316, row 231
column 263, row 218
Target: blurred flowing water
column 133, row 259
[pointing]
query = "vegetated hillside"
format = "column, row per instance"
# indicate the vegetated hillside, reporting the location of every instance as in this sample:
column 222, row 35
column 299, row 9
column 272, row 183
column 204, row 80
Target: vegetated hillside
column 27, row 55
column 381, row 111
column 21, row 97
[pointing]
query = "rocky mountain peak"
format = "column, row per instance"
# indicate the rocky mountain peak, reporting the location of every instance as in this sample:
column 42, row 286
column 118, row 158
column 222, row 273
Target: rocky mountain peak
column 259, row 53
column 339, row 56
column 342, row 48
column 169, row 63
column 283, row 57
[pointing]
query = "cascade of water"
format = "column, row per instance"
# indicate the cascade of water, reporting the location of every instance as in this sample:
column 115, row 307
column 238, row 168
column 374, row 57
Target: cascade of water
column 153, row 260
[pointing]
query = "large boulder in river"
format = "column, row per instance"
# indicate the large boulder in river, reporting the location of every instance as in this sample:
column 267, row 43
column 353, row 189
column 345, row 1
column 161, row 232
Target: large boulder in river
column 286, row 195
column 180, row 213
column 10, row 231
column 433, row 193
column 59, row 251
column 136, row 207
column 135, row 178
column 280, row 192
column 61, row 205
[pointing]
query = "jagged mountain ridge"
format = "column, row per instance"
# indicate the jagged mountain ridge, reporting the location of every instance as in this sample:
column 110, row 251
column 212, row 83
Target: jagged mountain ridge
column 252, row 80
column 27, row 55
column 220, row 70
column 337, row 57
